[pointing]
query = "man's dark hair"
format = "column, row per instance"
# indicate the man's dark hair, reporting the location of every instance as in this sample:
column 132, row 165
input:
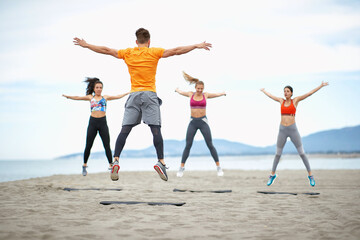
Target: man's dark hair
column 142, row 35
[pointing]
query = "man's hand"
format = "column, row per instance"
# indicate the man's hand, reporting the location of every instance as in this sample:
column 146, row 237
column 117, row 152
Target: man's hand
column 80, row 42
column 204, row 45
column 98, row 49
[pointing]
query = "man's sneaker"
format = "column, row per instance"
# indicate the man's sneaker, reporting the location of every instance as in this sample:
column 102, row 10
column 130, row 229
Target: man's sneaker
column 161, row 170
column 312, row 180
column 271, row 179
column 115, row 171
column 84, row 172
column 180, row 173
column 220, row 172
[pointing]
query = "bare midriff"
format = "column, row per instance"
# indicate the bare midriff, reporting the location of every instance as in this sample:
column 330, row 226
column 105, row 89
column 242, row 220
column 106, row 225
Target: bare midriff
column 198, row 113
column 287, row 120
column 98, row 114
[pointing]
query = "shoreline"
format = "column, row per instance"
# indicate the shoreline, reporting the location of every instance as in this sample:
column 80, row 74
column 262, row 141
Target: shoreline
column 40, row 208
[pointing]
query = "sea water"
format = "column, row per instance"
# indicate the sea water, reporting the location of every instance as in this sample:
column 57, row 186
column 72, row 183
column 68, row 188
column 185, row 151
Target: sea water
column 11, row 170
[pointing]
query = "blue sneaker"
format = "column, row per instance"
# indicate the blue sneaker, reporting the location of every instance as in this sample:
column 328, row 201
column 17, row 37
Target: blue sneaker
column 84, row 172
column 161, row 170
column 271, row 179
column 312, row 180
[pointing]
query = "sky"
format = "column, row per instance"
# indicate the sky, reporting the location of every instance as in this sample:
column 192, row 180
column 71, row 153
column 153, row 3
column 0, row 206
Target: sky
column 256, row 44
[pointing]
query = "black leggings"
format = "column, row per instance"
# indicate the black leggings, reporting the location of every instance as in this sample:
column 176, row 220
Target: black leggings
column 157, row 140
column 95, row 125
column 194, row 125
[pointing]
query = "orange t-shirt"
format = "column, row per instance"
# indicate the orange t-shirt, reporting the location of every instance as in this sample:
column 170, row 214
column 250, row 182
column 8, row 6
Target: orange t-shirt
column 142, row 63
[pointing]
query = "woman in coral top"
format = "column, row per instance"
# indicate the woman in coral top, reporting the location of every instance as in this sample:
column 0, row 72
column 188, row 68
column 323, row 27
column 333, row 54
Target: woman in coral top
column 288, row 128
column 198, row 121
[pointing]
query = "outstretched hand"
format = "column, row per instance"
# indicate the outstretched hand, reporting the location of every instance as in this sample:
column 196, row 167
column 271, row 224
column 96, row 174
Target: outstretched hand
column 262, row 89
column 80, row 42
column 204, row 45
column 323, row 84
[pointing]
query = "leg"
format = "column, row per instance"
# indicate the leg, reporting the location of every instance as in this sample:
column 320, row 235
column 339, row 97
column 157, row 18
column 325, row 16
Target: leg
column 158, row 142
column 120, row 141
column 160, row 166
column 281, row 140
column 205, row 131
column 105, row 137
column 190, row 134
column 90, row 137
column 296, row 139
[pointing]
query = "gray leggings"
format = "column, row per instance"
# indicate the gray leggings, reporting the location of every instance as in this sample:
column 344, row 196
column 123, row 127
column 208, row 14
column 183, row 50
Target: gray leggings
column 194, row 125
column 292, row 132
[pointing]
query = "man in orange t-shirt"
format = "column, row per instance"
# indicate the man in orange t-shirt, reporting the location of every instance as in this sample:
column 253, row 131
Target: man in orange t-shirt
column 143, row 102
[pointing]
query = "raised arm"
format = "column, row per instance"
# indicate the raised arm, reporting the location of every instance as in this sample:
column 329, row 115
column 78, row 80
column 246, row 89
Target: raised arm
column 185, row 49
column 278, row 99
column 302, row 97
column 186, row 94
column 109, row 98
column 98, row 49
column 214, row 95
column 86, row 98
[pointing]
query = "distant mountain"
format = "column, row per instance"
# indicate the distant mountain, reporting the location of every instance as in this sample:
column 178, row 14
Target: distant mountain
column 345, row 140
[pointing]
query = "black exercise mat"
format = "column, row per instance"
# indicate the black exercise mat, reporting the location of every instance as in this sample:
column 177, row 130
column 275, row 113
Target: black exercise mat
column 290, row 193
column 215, row 191
column 135, row 202
column 96, row 189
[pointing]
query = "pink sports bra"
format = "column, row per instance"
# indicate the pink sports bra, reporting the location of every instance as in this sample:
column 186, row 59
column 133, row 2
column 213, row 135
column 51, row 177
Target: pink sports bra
column 198, row 104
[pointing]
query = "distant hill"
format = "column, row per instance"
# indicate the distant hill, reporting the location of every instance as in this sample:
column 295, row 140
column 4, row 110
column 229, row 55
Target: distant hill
column 345, row 140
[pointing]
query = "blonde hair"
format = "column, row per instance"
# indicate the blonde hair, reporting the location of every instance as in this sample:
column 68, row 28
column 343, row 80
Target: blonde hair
column 192, row 80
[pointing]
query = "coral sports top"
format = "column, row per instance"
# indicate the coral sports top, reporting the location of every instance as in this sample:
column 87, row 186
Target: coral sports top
column 198, row 104
column 290, row 110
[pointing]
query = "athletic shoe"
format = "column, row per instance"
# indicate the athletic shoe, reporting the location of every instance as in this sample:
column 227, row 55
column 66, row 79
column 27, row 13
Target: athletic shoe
column 161, row 170
column 110, row 168
column 271, row 179
column 84, row 172
column 180, row 173
column 312, row 180
column 220, row 172
column 115, row 171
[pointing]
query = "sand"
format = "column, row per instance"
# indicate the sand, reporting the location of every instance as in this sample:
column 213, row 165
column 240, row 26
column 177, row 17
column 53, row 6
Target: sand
column 40, row 209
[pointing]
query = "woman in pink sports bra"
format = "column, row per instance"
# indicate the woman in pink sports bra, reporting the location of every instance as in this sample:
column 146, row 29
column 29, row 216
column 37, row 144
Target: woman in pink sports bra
column 97, row 122
column 198, row 121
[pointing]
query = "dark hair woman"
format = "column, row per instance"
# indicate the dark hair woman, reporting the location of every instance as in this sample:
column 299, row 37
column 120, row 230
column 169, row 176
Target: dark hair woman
column 288, row 128
column 97, row 122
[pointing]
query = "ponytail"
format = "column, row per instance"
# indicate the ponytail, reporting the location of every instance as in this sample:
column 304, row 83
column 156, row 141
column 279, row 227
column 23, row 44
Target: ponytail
column 192, row 80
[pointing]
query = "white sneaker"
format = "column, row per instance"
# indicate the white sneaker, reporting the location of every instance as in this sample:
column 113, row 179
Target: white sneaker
column 180, row 173
column 220, row 172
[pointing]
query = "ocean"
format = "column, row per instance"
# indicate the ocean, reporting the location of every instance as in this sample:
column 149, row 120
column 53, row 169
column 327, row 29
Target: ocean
column 11, row 170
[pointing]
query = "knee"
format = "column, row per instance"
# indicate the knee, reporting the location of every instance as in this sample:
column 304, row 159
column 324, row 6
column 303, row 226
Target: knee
column 279, row 151
column 300, row 150
column 188, row 146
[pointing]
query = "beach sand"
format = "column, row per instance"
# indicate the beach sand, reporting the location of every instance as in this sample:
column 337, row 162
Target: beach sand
column 39, row 208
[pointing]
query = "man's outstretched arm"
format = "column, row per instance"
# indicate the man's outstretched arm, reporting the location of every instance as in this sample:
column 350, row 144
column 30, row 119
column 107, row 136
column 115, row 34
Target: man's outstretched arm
column 185, row 49
column 98, row 49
